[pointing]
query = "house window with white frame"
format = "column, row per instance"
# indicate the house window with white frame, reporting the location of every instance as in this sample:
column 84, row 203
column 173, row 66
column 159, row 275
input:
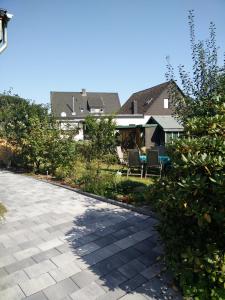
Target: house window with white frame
column 166, row 103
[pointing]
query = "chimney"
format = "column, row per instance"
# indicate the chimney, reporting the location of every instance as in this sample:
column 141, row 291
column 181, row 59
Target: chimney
column 83, row 92
column 135, row 111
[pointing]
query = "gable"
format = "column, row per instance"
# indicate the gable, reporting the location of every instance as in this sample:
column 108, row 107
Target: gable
column 149, row 101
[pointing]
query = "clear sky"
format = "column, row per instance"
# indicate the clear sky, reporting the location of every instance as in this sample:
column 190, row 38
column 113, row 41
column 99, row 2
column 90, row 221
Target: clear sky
column 101, row 45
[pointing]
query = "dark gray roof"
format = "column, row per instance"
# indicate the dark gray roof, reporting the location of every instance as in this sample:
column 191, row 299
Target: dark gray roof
column 63, row 102
column 144, row 99
column 168, row 123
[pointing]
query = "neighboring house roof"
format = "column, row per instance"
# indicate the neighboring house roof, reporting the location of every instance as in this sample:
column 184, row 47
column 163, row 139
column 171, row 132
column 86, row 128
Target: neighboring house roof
column 168, row 123
column 144, row 99
column 79, row 104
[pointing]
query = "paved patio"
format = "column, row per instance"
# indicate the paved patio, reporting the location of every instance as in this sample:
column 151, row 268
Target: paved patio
column 60, row 245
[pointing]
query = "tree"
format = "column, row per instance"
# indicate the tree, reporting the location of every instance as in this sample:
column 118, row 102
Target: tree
column 101, row 134
column 190, row 200
column 40, row 144
column 201, row 88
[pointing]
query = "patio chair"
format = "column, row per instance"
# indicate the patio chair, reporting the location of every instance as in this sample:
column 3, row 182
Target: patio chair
column 134, row 163
column 120, row 155
column 153, row 162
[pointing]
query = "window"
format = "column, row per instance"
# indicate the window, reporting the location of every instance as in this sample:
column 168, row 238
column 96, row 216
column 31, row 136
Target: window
column 95, row 110
column 63, row 114
column 166, row 103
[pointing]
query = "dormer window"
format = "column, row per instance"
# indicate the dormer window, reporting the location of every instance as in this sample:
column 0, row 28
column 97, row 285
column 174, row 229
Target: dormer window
column 96, row 110
column 166, row 103
column 63, row 114
column 148, row 101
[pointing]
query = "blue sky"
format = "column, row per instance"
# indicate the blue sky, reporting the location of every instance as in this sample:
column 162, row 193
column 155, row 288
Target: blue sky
column 101, row 45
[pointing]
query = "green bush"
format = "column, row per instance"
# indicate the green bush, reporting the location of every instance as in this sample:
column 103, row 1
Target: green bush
column 98, row 182
column 190, row 203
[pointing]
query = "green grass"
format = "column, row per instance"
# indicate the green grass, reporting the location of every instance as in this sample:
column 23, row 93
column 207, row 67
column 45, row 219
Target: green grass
column 123, row 169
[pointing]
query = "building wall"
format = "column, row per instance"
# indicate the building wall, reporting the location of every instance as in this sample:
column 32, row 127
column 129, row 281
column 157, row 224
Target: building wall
column 125, row 121
column 157, row 107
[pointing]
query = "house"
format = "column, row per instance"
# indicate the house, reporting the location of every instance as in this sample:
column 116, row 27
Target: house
column 145, row 119
column 71, row 108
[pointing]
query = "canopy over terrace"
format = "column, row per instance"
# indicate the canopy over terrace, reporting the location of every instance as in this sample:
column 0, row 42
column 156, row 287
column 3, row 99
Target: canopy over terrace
column 135, row 136
column 157, row 132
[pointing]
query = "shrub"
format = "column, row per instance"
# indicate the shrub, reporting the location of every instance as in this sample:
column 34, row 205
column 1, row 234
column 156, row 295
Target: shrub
column 134, row 191
column 98, row 182
column 190, row 202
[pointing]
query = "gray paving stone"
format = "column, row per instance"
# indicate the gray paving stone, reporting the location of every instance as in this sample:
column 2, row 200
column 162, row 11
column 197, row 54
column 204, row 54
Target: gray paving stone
column 152, row 271
column 86, row 249
column 12, row 293
column 31, row 243
column 3, row 272
column 37, row 296
column 132, row 268
column 50, row 244
column 61, row 289
column 19, row 265
column 149, row 258
column 84, row 277
column 112, row 295
column 6, row 260
column 89, row 292
column 135, row 296
column 46, row 255
column 106, row 240
column 65, row 271
column 86, row 241
column 64, row 248
column 145, row 246
column 111, row 280
column 26, row 253
column 12, row 279
column 122, row 233
column 133, row 283
column 126, row 242
column 63, row 258
column 40, row 268
column 37, row 284
column 108, row 265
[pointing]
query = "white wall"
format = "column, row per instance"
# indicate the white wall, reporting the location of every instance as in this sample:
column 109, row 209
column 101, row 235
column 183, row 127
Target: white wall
column 125, row 121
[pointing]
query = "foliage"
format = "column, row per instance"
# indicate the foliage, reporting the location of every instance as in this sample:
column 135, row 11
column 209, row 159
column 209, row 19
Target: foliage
column 15, row 116
column 206, row 82
column 39, row 144
column 3, row 210
column 7, row 151
column 134, row 191
column 44, row 148
column 190, row 200
column 101, row 135
column 98, row 182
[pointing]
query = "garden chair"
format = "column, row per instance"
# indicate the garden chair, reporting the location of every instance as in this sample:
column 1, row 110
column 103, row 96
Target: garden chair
column 134, row 163
column 153, row 162
column 120, row 155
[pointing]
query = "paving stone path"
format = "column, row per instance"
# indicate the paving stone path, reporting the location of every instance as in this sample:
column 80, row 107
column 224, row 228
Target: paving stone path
column 56, row 244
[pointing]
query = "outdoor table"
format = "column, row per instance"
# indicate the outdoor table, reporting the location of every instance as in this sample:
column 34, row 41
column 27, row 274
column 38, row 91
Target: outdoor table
column 164, row 159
